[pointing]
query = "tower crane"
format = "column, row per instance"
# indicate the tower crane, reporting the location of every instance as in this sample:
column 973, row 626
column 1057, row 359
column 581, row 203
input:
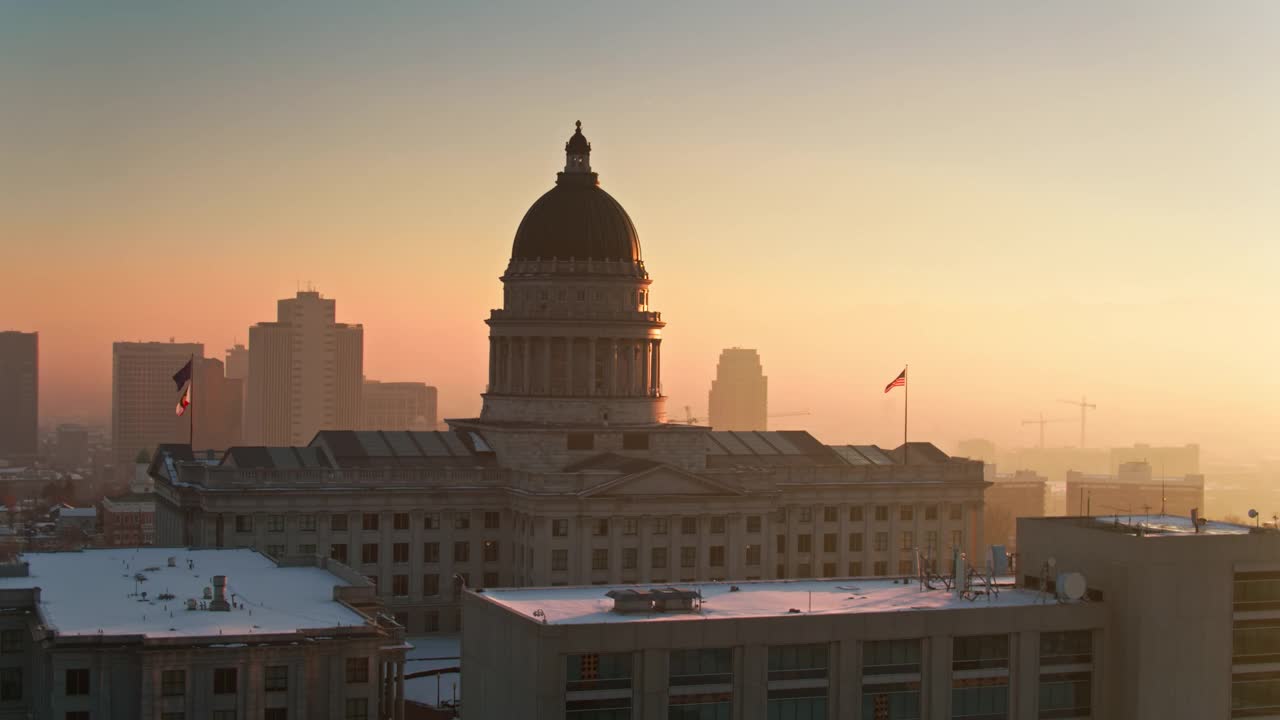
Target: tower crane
column 1042, row 422
column 1084, row 406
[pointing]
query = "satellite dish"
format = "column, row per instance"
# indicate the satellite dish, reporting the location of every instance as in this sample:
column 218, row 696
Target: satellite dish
column 1253, row 513
column 1052, row 562
column 1072, row 586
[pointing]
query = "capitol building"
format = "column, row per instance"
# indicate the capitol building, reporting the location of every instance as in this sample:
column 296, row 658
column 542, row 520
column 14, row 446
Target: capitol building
column 572, row 473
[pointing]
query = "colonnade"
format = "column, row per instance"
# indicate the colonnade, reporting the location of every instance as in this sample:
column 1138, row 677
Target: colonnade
column 575, row 367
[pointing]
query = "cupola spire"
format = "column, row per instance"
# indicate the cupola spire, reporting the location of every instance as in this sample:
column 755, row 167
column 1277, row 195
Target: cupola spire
column 577, row 152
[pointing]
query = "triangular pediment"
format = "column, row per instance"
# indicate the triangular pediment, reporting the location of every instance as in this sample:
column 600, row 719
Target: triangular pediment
column 662, row 480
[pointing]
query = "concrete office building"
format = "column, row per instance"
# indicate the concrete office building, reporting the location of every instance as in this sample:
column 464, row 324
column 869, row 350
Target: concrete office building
column 1193, row 612
column 220, row 412
column 859, row 649
column 175, row 634
column 1134, row 490
column 1009, row 497
column 1168, row 461
column 71, row 449
column 19, row 396
column 143, row 398
column 305, row 373
column 399, row 406
column 739, row 397
column 572, row 474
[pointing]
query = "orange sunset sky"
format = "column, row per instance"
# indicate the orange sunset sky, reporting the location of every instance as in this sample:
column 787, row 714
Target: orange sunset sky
column 1025, row 203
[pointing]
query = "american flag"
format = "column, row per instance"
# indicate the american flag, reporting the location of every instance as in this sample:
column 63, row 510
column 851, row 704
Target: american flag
column 183, row 402
column 899, row 381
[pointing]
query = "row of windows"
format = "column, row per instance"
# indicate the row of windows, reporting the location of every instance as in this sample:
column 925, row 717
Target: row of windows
column 369, row 521
column 371, row 552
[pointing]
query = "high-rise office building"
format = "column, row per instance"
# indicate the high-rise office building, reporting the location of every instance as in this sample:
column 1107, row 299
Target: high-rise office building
column 220, row 410
column 739, row 397
column 72, row 450
column 305, row 373
column 143, row 398
column 237, row 368
column 19, row 394
column 399, row 406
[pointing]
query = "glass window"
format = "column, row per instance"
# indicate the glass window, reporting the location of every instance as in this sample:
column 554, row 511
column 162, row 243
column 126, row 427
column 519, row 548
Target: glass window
column 600, row 527
column 980, row 698
column 77, row 682
column 630, row 558
column 908, row 540
column 882, row 513
column 357, row 709
column 369, row 553
column 13, row 641
column 600, row 559
column 906, row 512
column 462, row 520
column 635, row 441
column 357, row 670
column 559, row 528
column 882, row 541
column 855, row 542
column 559, row 559
column 338, row 521
column 338, row 551
column 400, row 521
column 797, row 662
column 890, row 657
column 717, row 525
column 688, row 556
column 753, row 554
column 400, row 552
column 275, row 523
column 701, row 667
column 275, row 713
column 369, row 521
column 276, row 678
column 1068, row 695
column 244, row 523
column 804, row 543
column 806, row 514
column 490, row 551
column 431, row 552
column 224, row 681
column 753, row 523
column 307, row 522
column 597, row 671
column 400, row 585
column 11, row 683
column 1071, row 647
column 980, row 651
column 431, row 585
column 658, row 558
column 630, row 526
column 581, row 441
column 717, row 556
column 689, row 526
column 173, row 682
column 955, row 511
column 431, row 521
column 660, row 526
column 461, row 551
column 880, row 568
column 276, row 551
column 829, row 542
column 492, row 520
column 855, row 568
column 855, row 513
column 930, row 512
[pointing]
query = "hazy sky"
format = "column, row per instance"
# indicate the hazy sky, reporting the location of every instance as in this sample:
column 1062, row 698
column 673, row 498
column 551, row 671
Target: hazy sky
column 1025, row 202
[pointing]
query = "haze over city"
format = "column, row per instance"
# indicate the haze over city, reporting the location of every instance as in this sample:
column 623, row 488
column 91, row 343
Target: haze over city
column 1026, row 204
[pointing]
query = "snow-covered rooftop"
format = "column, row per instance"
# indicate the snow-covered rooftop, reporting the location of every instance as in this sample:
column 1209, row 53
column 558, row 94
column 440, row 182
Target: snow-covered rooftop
column 92, row 591
column 1170, row 525
column 588, row 605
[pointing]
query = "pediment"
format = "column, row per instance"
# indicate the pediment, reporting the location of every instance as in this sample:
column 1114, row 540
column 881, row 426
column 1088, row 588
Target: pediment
column 663, row 480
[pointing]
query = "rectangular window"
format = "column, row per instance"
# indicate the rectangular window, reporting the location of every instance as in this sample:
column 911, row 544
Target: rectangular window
column 855, row 513
column 431, row 585
column 559, row 528
column 956, row 511
column 930, row 512
column 659, row 526
column 492, row 520
column 1071, row 647
column 658, row 558
column 369, row 521
column 688, row 556
column 400, row 521
column 357, row 709
column 829, row 542
column 307, row 549
column 717, row 556
column 275, row 523
column 600, row 559
column 244, row 523
column 77, row 682
column 906, row 567
column 908, row 540
column 431, row 552
column 717, row 525
column 11, row 683
column 13, row 641
column 630, row 526
column 980, row 651
column 980, row 698
column 803, row 570
column 855, row 568
column 828, row 569
column 276, row 678
column 600, row 527
column 173, row 683
column 797, row 662
column 490, row 579
column 635, row 441
column 276, row 551
column 931, row 541
column 580, row 441
column 753, row 555
column 882, row 542
column 890, row 657
column 431, row 621
column 400, row 553
column 560, row 559
column 781, row 543
column 306, row 522
column 906, row 512
column 338, row 551
column 806, row 514
column 275, row 713
column 753, row 523
column 461, row 551
column 431, row 521
column 855, row 542
column 882, row 513
column 462, row 520
column 400, row 585
column 597, row 672
column 880, row 568
column 224, row 681
column 700, row 667
column 369, row 553
column 688, row 526
column 1070, row 695
column 630, row 558
column 338, row 522
column 357, row 670
column 490, row 551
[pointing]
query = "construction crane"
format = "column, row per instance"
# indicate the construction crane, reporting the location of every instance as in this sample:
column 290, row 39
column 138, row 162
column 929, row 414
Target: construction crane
column 1084, row 406
column 1042, row 422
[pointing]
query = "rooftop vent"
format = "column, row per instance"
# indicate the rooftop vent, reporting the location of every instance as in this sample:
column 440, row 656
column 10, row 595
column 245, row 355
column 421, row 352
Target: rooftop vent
column 219, row 601
column 661, row 600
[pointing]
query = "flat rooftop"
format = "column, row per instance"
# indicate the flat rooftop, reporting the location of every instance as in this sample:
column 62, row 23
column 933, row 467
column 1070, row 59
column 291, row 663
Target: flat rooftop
column 1169, row 525
column 96, row 591
column 589, row 605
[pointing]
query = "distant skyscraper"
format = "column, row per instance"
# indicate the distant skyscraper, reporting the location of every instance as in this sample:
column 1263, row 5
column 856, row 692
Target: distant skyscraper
column 739, row 397
column 305, row 373
column 143, row 398
column 19, row 394
column 399, row 406
column 72, row 450
column 237, row 362
column 220, row 407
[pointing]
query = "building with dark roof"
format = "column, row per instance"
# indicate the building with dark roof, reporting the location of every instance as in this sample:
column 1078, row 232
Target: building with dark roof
column 572, row 473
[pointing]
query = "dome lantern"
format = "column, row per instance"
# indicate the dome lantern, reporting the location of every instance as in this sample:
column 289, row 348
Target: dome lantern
column 577, row 152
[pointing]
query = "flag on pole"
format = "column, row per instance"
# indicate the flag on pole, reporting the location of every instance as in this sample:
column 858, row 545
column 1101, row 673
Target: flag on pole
column 183, row 402
column 183, row 376
column 899, row 381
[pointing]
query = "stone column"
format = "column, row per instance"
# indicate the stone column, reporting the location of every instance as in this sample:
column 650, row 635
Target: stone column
column 842, row 541
column 526, row 367
column 569, row 389
column 591, row 365
column 644, row 571
column 647, row 377
column 615, row 549
column 702, row 563
column 546, row 365
column 734, row 550
column 612, row 369
column 657, row 365
column 492, row 367
column 399, row 700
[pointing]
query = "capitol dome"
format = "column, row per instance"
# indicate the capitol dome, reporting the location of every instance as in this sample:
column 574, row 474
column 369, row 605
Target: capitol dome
column 576, row 218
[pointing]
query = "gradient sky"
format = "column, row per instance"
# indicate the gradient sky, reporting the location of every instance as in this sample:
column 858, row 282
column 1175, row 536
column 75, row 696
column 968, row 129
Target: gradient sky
column 1025, row 202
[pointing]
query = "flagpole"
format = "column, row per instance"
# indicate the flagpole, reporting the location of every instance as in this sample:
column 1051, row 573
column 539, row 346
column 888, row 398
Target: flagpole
column 906, row 395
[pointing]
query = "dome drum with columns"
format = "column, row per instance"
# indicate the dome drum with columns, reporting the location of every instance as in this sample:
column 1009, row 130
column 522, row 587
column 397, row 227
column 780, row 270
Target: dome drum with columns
column 575, row 342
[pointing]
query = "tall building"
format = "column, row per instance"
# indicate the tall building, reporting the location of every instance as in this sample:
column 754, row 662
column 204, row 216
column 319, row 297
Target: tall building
column 1134, row 490
column 72, row 449
column 399, row 406
column 306, row 373
column 19, row 395
column 739, row 397
column 572, row 474
column 220, row 410
column 143, row 398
